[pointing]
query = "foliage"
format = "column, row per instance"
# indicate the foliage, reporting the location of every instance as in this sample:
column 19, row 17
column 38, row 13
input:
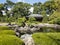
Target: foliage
column 11, row 19
column 47, row 29
column 46, row 38
column 9, row 3
column 55, row 18
column 50, row 6
column 37, row 4
column 21, row 9
column 54, row 15
column 1, row 8
column 55, row 21
column 31, row 21
column 45, row 19
column 57, row 3
column 10, row 40
column 20, row 21
column 38, row 7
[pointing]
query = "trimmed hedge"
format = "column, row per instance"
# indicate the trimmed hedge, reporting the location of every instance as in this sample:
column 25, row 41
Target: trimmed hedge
column 46, row 38
column 10, row 40
column 9, row 32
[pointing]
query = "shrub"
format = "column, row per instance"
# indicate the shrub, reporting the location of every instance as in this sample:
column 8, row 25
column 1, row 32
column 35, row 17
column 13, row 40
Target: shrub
column 32, row 19
column 46, row 38
column 55, row 21
column 20, row 20
column 55, row 18
column 10, row 40
column 48, row 29
column 54, row 15
column 4, row 28
column 11, row 19
column 51, row 22
column 9, row 32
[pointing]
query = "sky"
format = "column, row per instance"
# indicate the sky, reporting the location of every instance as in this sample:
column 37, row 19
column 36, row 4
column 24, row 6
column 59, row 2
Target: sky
column 27, row 1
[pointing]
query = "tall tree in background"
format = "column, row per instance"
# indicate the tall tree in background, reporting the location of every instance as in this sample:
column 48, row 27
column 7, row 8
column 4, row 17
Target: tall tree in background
column 51, row 6
column 21, row 9
column 1, row 8
column 8, row 6
column 37, row 8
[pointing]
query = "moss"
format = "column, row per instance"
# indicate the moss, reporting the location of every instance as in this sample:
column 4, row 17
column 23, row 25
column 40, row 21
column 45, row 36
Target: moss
column 46, row 38
column 9, row 32
column 10, row 40
column 4, row 28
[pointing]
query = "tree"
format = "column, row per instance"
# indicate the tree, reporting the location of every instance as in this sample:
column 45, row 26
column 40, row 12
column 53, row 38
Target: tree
column 54, row 15
column 37, row 4
column 55, row 18
column 51, row 6
column 58, row 4
column 1, row 8
column 9, row 4
column 37, row 8
column 21, row 8
column 20, row 21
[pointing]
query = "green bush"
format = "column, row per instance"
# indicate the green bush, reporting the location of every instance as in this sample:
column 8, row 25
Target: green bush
column 55, row 18
column 54, row 15
column 55, row 21
column 11, row 19
column 51, row 22
column 32, row 19
column 46, row 38
column 20, row 20
column 4, row 28
column 10, row 40
column 47, row 29
column 9, row 32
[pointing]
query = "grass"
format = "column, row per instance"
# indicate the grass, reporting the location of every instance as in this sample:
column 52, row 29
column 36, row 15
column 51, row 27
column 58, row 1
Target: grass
column 46, row 38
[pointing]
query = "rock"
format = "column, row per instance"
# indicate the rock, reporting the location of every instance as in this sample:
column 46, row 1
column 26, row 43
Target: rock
column 27, row 29
column 18, row 34
column 36, row 28
column 27, row 39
